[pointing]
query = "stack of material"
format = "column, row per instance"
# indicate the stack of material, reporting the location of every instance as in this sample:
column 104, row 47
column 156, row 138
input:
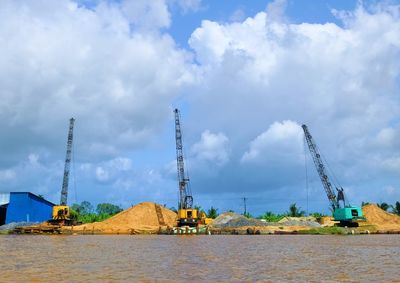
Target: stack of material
column 300, row 221
column 233, row 220
column 380, row 218
column 230, row 219
column 327, row 221
column 146, row 217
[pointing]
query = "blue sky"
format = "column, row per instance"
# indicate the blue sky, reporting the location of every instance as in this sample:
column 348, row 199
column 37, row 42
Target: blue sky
column 245, row 74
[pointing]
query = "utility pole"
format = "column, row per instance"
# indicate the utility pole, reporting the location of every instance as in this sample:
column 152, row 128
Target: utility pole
column 245, row 209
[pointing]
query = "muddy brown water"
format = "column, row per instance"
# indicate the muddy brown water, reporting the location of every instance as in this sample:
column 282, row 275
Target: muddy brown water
column 308, row 258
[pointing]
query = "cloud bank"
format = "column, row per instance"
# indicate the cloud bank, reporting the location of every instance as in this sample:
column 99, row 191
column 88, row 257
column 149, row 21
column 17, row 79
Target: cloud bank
column 246, row 87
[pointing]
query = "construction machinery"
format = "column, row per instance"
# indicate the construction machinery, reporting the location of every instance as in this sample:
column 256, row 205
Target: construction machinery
column 346, row 214
column 61, row 213
column 187, row 215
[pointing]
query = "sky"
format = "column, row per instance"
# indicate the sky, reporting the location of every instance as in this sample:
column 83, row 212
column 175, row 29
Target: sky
column 245, row 74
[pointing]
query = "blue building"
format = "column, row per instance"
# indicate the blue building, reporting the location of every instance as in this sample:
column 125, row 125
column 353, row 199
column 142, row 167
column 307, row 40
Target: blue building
column 24, row 206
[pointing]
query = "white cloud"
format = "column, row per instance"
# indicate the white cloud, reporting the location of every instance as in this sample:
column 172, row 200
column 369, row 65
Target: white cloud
column 276, row 10
column 102, row 174
column 115, row 68
column 340, row 80
column 188, row 5
column 96, row 65
column 281, row 141
column 212, row 147
column 147, row 14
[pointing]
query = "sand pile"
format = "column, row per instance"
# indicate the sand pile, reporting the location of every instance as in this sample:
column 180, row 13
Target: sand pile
column 146, row 217
column 327, row 221
column 380, row 218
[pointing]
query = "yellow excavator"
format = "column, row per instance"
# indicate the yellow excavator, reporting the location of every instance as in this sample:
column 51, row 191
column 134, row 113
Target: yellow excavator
column 61, row 213
column 187, row 215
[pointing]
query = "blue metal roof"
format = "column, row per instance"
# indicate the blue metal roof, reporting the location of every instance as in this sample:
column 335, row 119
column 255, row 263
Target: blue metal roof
column 25, row 206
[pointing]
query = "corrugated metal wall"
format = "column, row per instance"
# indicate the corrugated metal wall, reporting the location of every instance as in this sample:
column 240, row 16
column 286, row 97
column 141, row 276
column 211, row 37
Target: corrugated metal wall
column 28, row 207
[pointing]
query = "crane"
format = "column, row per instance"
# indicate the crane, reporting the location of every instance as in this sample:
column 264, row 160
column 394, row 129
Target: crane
column 343, row 212
column 61, row 213
column 187, row 215
column 64, row 190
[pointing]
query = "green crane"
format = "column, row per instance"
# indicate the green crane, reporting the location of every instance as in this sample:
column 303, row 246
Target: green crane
column 346, row 214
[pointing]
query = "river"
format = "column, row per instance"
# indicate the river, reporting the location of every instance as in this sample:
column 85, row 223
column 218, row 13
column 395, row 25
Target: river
column 296, row 258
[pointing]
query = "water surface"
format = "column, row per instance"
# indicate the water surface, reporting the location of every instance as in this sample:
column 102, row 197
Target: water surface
column 296, row 258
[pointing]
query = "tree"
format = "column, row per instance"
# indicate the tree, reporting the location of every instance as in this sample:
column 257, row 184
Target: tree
column 384, row 206
column 295, row 211
column 271, row 217
column 84, row 208
column 248, row 215
column 199, row 209
column 212, row 212
column 364, row 203
column 396, row 208
column 108, row 208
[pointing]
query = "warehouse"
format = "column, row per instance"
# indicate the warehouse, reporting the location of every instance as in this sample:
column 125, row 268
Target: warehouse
column 24, row 206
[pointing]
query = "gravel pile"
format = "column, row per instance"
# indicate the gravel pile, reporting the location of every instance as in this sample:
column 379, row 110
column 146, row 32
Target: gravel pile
column 231, row 220
column 300, row 221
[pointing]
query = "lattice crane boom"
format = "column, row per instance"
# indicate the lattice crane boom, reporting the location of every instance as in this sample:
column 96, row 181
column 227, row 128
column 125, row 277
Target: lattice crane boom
column 185, row 196
column 321, row 169
column 64, row 190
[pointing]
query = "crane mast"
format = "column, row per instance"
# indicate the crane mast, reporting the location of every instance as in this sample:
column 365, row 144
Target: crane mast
column 64, row 190
column 321, row 170
column 185, row 197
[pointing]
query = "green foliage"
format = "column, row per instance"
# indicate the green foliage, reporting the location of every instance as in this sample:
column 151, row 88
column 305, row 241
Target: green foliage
column 271, row 217
column 199, row 209
column 212, row 212
column 93, row 217
column 364, row 203
column 396, row 208
column 318, row 216
column 84, row 212
column 248, row 215
column 107, row 208
column 84, row 208
column 383, row 206
column 295, row 211
column 73, row 214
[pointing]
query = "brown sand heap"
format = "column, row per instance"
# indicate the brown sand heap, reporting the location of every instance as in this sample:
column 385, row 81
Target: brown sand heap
column 146, row 217
column 380, row 218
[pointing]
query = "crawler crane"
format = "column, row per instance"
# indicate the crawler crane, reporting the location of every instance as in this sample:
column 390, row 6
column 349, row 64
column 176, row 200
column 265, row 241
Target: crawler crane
column 187, row 215
column 61, row 213
column 346, row 214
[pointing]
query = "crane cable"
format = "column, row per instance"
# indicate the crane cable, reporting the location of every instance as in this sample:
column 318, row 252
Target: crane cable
column 305, row 165
column 73, row 172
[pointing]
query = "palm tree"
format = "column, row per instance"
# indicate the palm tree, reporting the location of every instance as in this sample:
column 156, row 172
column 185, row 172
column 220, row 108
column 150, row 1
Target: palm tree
column 396, row 208
column 212, row 212
column 384, row 206
column 295, row 211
